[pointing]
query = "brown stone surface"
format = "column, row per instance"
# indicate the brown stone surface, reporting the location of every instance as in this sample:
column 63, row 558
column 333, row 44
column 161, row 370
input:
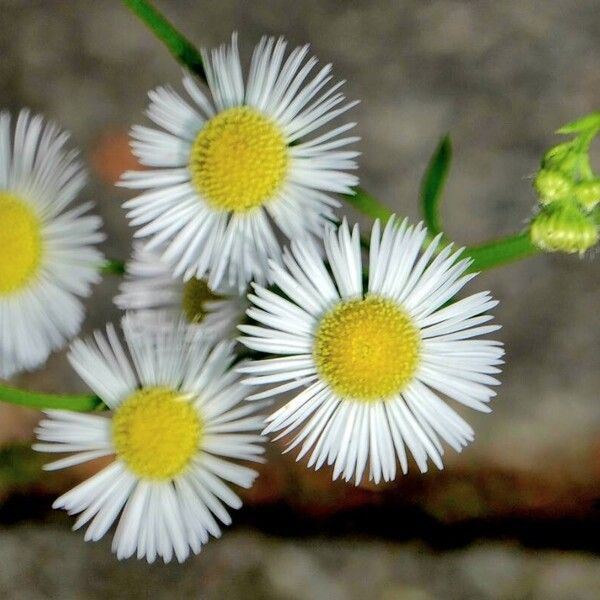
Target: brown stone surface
column 246, row 566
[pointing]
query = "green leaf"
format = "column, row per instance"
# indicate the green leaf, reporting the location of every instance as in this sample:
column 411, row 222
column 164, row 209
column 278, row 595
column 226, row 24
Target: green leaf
column 591, row 121
column 433, row 184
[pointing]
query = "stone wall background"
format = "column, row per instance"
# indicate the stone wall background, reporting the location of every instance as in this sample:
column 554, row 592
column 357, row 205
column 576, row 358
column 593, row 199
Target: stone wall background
column 500, row 77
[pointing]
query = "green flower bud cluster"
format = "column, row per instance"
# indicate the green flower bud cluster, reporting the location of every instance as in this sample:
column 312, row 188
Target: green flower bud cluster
column 563, row 227
column 552, row 185
column 568, row 193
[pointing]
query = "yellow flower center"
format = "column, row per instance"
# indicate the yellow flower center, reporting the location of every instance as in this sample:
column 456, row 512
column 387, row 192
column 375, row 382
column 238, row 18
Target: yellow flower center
column 196, row 294
column 367, row 349
column 156, row 431
column 238, row 160
column 20, row 243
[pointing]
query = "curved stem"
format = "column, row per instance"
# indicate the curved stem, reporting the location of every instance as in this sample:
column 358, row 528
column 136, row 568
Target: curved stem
column 43, row 401
column 368, row 205
column 501, row 251
column 183, row 50
column 485, row 256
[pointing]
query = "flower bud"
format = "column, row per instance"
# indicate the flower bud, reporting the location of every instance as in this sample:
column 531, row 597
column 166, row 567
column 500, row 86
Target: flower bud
column 559, row 155
column 587, row 193
column 563, row 228
column 552, row 185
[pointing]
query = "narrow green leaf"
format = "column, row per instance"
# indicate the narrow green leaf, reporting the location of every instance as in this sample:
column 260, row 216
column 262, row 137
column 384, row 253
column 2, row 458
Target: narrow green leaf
column 182, row 49
column 591, row 121
column 433, row 184
column 41, row 401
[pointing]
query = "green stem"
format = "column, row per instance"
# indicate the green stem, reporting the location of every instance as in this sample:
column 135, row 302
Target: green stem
column 183, row 50
column 368, row 205
column 43, row 401
column 485, row 256
column 113, row 267
column 501, row 251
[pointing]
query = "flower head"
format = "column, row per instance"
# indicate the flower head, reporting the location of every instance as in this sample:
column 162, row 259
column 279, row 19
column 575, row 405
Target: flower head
column 178, row 419
column 48, row 258
column 225, row 167
column 156, row 300
column 372, row 363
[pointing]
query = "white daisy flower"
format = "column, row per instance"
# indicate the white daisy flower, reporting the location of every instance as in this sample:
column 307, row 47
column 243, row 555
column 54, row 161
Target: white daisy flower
column 48, row 259
column 178, row 419
column 371, row 364
column 154, row 299
column 224, row 167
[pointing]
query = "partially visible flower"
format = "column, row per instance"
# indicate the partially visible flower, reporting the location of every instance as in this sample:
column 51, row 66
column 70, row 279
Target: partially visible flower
column 178, row 420
column 563, row 227
column 225, row 168
column 155, row 299
column 48, row 258
column 370, row 364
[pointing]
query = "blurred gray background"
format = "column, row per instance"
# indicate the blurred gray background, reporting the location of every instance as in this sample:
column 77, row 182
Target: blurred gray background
column 517, row 510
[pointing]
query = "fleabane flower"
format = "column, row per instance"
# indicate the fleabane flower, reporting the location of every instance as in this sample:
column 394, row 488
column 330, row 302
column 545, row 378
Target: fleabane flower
column 48, row 258
column 225, row 166
column 178, row 423
column 155, row 299
column 371, row 367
